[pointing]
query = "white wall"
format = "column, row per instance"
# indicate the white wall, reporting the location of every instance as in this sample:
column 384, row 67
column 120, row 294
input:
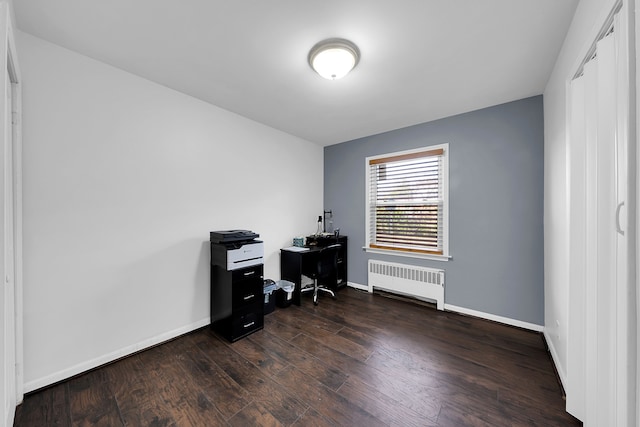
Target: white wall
column 123, row 180
column 588, row 19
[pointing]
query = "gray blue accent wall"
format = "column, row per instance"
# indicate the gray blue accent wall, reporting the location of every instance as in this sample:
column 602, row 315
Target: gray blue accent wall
column 495, row 205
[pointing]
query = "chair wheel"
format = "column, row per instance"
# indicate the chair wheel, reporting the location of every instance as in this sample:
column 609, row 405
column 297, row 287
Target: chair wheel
column 315, row 303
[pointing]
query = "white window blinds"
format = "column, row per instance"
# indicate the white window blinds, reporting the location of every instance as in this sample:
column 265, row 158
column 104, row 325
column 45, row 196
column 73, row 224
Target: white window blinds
column 406, row 202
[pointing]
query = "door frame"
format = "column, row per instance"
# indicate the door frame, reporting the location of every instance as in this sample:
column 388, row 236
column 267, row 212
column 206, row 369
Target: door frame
column 11, row 71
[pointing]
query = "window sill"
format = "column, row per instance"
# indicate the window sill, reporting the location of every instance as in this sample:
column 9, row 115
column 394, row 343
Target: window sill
column 408, row 254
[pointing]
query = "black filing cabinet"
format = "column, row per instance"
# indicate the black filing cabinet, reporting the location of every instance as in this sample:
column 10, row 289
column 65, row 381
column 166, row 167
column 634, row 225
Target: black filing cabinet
column 237, row 300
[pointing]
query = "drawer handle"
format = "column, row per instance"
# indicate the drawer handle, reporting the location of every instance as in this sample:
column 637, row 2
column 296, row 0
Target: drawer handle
column 249, row 325
column 248, row 297
column 249, row 273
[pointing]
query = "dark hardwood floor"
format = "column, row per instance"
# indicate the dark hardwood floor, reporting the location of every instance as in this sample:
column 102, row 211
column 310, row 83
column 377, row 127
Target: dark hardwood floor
column 361, row 360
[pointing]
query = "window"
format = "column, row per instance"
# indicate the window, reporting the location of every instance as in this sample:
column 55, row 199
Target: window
column 407, row 202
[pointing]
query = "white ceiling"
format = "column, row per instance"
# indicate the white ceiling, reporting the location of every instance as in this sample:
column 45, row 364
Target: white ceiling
column 421, row 59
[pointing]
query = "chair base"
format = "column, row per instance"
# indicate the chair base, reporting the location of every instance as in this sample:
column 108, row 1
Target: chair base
column 315, row 288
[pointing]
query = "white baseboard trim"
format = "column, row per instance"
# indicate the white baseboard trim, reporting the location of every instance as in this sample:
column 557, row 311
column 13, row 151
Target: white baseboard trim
column 102, row 360
column 493, row 317
column 11, row 415
column 555, row 359
column 358, row 286
column 480, row 314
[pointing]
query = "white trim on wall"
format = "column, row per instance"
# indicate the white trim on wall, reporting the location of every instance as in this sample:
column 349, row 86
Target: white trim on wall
column 113, row 356
column 18, row 240
column 637, row 216
column 358, row 286
column 474, row 313
column 494, row 318
column 555, row 358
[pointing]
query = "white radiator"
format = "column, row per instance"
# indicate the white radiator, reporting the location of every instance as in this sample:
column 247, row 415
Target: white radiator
column 410, row 280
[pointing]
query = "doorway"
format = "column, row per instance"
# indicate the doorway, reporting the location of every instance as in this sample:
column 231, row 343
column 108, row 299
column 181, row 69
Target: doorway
column 11, row 388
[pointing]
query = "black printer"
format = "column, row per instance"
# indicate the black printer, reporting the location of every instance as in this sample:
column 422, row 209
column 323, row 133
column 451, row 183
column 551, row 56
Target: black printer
column 232, row 236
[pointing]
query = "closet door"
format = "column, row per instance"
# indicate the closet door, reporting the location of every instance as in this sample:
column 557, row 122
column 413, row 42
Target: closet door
column 592, row 247
column 601, row 310
column 625, row 308
column 601, row 400
column 579, row 244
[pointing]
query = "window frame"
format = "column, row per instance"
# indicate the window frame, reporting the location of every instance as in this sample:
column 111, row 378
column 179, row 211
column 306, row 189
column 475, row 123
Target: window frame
column 445, row 256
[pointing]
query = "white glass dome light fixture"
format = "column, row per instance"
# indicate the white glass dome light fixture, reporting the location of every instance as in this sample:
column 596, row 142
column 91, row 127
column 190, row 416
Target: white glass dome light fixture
column 334, row 58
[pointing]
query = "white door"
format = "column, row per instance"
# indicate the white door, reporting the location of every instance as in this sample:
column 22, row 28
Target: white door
column 601, row 310
column 10, row 231
column 9, row 334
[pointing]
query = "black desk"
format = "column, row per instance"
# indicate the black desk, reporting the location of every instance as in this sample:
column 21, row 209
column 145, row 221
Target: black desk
column 293, row 263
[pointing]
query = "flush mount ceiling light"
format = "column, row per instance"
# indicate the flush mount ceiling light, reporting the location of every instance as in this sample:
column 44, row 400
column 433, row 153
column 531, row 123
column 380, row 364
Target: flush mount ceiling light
column 334, row 58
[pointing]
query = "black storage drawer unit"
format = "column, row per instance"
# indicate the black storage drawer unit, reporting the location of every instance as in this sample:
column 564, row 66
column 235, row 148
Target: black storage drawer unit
column 237, row 306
